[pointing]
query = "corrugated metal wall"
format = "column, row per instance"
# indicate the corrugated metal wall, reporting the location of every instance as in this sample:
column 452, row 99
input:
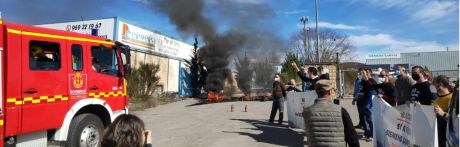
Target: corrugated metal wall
column 435, row 61
column 439, row 63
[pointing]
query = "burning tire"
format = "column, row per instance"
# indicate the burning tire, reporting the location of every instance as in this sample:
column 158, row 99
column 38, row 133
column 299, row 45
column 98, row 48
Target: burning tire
column 85, row 131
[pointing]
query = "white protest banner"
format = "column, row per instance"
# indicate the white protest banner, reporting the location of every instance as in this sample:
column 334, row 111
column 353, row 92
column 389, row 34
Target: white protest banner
column 403, row 126
column 296, row 101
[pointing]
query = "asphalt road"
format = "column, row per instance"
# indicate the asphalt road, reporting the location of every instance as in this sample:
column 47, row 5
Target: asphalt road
column 193, row 124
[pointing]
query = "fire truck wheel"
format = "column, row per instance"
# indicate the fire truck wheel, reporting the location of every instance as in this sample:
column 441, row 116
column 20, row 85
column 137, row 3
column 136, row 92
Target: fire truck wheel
column 85, row 131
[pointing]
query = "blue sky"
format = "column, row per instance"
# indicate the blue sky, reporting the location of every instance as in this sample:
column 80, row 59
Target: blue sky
column 374, row 26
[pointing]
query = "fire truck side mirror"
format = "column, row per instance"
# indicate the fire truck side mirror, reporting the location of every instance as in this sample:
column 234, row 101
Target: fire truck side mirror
column 126, row 57
column 127, row 69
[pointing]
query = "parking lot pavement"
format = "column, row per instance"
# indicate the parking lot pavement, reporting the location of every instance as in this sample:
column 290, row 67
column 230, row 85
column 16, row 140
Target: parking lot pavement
column 191, row 123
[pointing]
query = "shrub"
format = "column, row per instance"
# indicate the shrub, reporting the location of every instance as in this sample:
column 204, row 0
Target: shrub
column 142, row 82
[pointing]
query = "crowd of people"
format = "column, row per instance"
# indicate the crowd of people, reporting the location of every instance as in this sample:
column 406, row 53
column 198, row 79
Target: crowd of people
column 396, row 88
column 328, row 124
column 400, row 88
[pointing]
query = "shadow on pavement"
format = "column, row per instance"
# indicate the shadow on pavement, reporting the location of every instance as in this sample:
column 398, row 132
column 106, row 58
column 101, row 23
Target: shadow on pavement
column 272, row 133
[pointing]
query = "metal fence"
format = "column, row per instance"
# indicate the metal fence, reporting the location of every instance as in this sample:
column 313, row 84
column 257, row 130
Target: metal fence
column 452, row 74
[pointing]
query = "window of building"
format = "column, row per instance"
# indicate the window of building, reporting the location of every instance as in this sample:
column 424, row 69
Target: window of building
column 77, row 57
column 104, row 60
column 44, row 55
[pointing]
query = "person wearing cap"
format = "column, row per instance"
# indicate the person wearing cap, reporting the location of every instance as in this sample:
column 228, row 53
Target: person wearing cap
column 328, row 124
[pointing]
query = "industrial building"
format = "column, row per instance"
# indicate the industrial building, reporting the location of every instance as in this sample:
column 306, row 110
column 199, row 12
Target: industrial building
column 438, row 62
column 147, row 47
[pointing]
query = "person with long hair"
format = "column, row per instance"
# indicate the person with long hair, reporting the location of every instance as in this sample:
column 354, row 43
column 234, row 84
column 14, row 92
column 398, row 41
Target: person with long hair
column 278, row 93
column 127, row 131
column 441, row 106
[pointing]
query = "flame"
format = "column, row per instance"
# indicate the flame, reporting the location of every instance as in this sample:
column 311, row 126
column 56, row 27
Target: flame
column 213, row 97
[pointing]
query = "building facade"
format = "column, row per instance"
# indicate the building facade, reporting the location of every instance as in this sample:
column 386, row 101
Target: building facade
column 147, row 47
column 439, row 62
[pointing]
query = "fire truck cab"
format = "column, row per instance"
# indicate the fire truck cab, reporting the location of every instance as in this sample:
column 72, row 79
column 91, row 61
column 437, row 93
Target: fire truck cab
column 59, row 86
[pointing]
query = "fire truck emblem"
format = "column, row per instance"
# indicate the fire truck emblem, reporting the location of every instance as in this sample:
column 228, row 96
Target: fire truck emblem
column 78, row 80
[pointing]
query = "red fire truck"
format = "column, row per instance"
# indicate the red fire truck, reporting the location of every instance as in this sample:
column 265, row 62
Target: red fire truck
column 59, row 86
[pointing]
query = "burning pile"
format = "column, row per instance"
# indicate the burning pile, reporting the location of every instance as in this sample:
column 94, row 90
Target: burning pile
column 246, row 30
column 244, row 76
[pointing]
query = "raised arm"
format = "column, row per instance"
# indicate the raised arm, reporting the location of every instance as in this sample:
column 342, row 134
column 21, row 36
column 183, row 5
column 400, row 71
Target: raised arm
column 294, row 65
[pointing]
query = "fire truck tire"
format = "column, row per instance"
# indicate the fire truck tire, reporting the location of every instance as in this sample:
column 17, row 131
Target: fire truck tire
column 85, row 130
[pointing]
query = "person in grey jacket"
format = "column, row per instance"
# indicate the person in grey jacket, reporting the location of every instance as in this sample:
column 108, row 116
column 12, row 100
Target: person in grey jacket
column 403, row 86
column 327, row 124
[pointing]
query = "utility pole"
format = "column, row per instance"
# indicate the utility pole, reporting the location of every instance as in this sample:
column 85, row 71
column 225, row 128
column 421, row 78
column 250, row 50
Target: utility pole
column 317, row 33
column 304, row 20
column 338, row 76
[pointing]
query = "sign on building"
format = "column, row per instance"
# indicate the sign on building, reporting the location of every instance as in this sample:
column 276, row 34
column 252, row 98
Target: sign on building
column 137, row 37
column 383, row 56
column 105, row 27
column 148, row 40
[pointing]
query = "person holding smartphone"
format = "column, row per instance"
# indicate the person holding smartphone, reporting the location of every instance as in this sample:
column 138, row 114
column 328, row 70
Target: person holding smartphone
column 127, row 130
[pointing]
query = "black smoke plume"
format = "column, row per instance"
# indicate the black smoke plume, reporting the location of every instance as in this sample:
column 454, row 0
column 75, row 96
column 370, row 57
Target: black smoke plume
column 249, row 27
column 244, row 74
column 188, row 17
column 216, row 56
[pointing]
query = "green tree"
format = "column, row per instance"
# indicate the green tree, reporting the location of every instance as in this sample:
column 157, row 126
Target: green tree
column 287, row 71
column 198, row 72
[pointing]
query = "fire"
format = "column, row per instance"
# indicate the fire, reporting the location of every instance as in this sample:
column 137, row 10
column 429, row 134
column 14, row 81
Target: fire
column 217, row 97
column 213, row 97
